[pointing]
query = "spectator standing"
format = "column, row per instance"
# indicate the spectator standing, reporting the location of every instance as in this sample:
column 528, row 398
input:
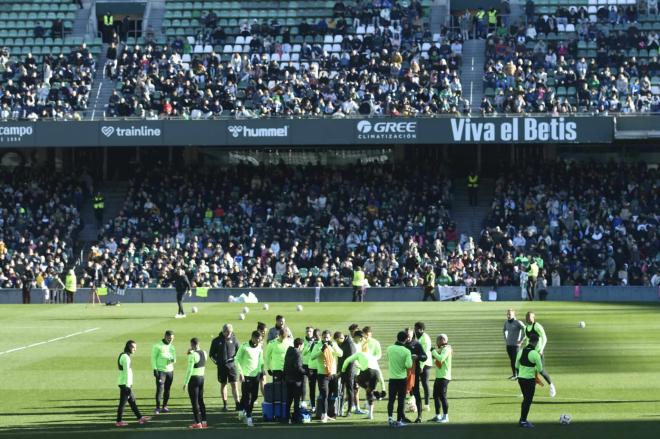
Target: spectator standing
column 70, row 285
column 99, row 208
column 473, row 187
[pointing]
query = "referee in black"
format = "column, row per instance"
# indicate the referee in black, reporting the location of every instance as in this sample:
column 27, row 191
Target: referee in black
column 182, row 286
column 222, row 352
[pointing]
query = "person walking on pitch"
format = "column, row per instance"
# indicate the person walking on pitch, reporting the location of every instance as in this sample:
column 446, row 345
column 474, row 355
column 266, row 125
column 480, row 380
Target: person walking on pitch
column 534, row 327
column 399, row 360
column 194, row 380
column 442, row 358
column 250, row 368
column 514, row 333
column 163, row 357
column 528, row 363
column 125, row 383
column 325, row 354
column 182, row 286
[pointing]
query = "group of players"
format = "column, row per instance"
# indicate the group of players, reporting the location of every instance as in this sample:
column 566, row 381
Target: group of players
column 335, row 364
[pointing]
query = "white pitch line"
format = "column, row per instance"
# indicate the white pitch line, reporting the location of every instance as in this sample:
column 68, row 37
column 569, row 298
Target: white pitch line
column 604, row 400
column 48, row 341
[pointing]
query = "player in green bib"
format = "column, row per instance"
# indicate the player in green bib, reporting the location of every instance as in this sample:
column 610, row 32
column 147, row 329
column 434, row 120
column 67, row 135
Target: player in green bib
column 194, row 380
column 425, row 367
column 125, row 383
column 534, row 327
column 442, row 358
column 250, row 368
column 528, row 364
column 163, row 357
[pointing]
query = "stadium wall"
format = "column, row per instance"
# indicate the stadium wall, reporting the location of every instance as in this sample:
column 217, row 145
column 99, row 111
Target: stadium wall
column 151, row 295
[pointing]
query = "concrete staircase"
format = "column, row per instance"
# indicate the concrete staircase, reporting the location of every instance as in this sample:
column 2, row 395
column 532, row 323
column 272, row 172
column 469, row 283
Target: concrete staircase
column 82, row 19
column 439, row 15
column 154, row 17
column 472, row 71
column 101, row 89
column 469, row 219
column 115, row 194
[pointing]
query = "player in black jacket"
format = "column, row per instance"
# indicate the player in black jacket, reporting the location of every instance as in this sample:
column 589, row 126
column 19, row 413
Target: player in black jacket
column 294, row 373
column 419, row 357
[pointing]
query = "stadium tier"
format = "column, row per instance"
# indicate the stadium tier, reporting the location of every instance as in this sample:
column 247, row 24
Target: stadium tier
column 596, row 56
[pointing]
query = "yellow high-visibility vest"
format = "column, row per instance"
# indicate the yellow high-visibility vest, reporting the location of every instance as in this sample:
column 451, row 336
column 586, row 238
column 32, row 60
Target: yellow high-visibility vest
column 473, row 181
column 108, row 20
column 70, row 282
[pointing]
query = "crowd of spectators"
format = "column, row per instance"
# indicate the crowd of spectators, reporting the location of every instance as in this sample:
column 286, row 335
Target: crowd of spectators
column 39, row 223
column 278, row 226
column 55, row 88
column 386, row 71
column 591, row 223
column 528, row 65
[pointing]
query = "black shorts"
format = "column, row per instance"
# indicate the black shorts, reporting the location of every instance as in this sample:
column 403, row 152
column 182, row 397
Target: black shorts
column 227, row 374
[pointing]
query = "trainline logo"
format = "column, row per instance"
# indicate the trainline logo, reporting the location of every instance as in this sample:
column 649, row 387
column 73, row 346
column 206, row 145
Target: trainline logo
column 140, row 131
column 245, row 131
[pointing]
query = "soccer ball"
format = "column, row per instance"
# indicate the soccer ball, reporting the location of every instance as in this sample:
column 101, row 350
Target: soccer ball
column 299, row 308
column 565, row 419
column 246, row 310
column 241, row 316
column 266, row 306
column 194, row 309
column 582, row 324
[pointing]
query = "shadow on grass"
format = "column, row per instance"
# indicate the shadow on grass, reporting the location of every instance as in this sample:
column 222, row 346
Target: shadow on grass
column 175, row 427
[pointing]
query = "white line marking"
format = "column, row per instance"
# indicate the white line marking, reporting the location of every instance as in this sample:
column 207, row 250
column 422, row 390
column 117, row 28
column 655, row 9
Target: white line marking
column 48, row 341
column 604, row 400
column 98, row 92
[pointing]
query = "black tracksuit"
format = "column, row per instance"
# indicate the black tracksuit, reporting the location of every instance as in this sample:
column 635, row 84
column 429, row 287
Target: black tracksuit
column 294, row 374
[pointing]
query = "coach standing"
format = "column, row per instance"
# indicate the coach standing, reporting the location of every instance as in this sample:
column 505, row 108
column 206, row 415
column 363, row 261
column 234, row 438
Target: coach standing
column 182, row 286
column 514, row 331
column 528, row 363
column 163, row 357
column 194, row 380
column 223, row 351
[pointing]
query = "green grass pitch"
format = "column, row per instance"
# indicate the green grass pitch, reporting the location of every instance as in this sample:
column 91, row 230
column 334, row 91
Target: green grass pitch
column 607, row 375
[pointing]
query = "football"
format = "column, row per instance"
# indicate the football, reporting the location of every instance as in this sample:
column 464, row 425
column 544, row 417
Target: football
column 241, row 316
column 565, row 419
column 246, row 310
column 266, row 306
column 299, row 308
column 582, row 324
column 194, row 309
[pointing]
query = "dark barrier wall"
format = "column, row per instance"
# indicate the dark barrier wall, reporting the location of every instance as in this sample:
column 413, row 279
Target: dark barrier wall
column 294, row 132
column 585, row 294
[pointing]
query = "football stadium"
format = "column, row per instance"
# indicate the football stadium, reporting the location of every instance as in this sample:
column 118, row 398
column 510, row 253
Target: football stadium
column 326, row 218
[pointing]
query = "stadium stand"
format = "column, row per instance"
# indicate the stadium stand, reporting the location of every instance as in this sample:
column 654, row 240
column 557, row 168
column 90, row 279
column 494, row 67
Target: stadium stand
column 39, row 222
column 592, row 223
column 291, row 58
column 597, row 56
column 282, row 226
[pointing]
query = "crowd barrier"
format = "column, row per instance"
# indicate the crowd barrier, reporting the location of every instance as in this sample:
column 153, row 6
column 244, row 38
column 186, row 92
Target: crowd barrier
column 393, row 294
